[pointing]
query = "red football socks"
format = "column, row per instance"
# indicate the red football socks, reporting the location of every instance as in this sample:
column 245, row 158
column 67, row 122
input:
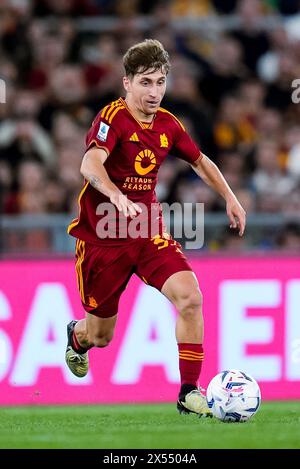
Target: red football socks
column 190, row 361
column 76, row 345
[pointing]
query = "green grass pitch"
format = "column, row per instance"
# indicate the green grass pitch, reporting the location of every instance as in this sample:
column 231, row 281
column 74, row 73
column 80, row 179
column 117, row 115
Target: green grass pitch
column 276, row 425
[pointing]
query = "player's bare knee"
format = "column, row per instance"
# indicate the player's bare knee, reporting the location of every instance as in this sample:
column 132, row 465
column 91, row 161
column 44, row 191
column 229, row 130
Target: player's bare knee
column 190, row 305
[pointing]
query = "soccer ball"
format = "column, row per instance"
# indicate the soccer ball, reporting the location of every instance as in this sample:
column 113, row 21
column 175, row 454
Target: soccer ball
column 233, row 396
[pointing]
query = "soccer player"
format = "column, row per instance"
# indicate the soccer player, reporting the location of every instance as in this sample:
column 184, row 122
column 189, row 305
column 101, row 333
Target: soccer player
column 128, row 141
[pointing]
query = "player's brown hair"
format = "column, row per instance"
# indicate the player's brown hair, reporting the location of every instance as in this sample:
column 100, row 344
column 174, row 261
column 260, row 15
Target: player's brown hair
column 147, row 55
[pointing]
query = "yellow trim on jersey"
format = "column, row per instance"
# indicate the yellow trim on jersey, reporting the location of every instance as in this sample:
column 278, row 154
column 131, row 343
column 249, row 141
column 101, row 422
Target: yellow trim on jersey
column 80, row 251
column 107, row 110
column 114, row 113
column 104, row 111
column 168, row 112
column 113, row 106
column 76, row 220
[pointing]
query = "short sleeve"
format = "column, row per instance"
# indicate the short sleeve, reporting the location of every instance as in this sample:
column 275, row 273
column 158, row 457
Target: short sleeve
column 101, row 135
column 184, row 146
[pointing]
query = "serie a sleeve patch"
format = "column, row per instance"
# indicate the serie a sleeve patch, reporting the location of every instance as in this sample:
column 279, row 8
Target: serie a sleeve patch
column 103, row 131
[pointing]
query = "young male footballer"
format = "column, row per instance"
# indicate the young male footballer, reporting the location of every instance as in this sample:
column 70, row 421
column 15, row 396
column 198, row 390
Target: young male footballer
column 128, row 141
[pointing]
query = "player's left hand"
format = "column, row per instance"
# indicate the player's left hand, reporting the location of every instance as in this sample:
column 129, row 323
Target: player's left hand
column 236, row 215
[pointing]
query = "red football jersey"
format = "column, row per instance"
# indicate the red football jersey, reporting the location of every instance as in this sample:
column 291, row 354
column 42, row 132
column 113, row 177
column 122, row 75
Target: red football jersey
column 136, row 151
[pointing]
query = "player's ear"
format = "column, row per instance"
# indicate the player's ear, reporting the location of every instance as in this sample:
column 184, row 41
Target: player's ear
column 126, row 83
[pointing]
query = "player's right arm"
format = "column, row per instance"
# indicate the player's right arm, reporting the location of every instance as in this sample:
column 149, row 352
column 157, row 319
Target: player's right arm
column 93, row 170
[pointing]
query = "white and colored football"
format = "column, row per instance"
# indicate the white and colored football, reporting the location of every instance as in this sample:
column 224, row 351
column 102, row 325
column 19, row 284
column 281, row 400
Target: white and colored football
column 233, row 396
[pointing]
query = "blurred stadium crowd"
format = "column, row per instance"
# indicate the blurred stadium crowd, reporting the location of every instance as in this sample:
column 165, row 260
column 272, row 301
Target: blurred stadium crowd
column 230, row 84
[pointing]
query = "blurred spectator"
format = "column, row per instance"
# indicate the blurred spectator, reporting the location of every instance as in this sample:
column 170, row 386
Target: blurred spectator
column 224, row 72
column 184, row 100
column 22, row 137
column 29, row 196
column 279, row 92
column 224, row 7
column 292, row 141
column 289, row 238
column 191, row 8
column 251, row 96
column 6, row 180
column 166, row 177
column 231, row 243
column 268, row 63
column 65, row 7
column 269, row 124
column 288, row 7
column 233, row 130
column 232, row 162
column 269, row 181
column 55, row 195
column 31, row 181
column 250, row 35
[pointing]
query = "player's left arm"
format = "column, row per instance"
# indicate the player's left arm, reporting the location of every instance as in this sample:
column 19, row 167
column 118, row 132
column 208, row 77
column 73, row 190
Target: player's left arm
column 212, row 176
column 185, row 148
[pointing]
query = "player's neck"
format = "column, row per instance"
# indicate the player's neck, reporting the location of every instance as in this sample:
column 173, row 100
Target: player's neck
column 137, row 113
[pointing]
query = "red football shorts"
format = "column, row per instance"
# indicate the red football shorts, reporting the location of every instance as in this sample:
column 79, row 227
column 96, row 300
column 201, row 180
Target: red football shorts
column 104, row 271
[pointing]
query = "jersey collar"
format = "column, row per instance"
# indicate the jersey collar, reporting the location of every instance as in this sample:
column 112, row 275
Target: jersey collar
column 143, row 125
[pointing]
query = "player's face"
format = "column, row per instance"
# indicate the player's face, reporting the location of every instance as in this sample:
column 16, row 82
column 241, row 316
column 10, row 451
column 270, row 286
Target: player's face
column 146, row 90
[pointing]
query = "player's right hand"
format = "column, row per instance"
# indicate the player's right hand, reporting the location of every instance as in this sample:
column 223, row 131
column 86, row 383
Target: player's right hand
column 124, row 205
column 236, row 214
